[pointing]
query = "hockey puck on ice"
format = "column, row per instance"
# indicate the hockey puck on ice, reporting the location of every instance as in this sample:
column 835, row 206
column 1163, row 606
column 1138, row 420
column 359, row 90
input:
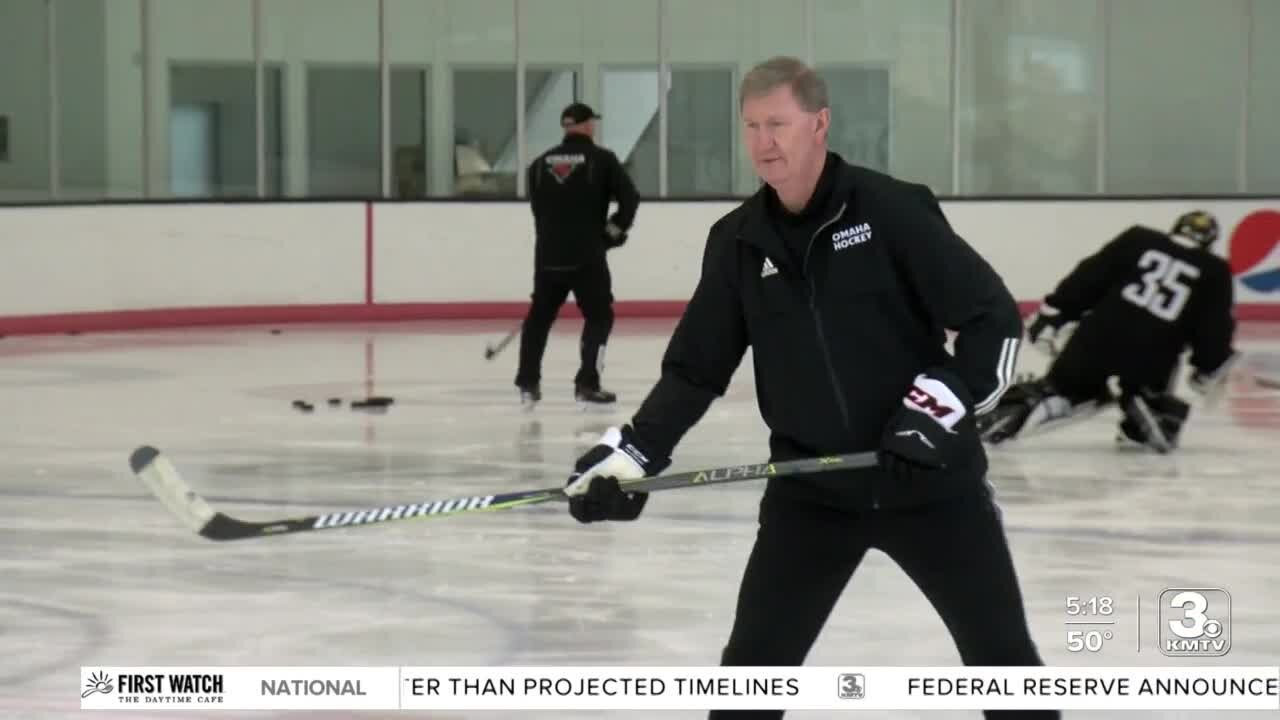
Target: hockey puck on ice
column 275, row 331
column 335, row 402
column 303, row 405
column 373, row 402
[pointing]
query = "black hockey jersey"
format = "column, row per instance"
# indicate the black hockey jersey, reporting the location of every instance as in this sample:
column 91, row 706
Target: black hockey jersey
column 570, row 189
column 839, row 331
column 1146, row 293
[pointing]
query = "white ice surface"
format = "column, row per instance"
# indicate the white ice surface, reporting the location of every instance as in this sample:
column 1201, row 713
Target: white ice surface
column 94, row 572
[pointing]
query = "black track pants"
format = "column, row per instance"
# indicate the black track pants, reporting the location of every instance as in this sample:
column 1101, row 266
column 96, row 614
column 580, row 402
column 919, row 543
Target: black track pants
column 955, row 551
column 592, row 288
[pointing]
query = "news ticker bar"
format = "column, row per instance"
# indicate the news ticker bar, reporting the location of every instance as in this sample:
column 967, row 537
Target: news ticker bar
column 679, row 688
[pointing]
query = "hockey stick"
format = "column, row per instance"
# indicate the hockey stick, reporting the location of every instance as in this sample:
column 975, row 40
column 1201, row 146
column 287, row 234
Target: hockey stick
column 491, row 350
column 163, row 480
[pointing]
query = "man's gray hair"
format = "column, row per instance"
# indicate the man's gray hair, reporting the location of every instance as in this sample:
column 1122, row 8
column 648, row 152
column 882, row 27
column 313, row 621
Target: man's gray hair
column 809, row 89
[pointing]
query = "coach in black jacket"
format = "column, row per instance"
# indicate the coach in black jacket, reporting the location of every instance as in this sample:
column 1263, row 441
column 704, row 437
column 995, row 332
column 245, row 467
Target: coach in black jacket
column 571, row 187
column 843, row 281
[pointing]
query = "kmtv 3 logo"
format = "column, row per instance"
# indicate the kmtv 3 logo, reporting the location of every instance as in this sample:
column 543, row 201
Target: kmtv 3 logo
column 1195, row 622
column 853, row 686
column 1254, row 251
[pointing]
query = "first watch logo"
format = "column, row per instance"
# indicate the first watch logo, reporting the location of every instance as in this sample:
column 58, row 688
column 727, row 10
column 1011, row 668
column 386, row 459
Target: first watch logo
column 99, row 682
column 103, row 688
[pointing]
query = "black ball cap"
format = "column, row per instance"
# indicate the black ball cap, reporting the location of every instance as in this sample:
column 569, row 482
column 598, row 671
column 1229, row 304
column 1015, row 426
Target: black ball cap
column 578, row 113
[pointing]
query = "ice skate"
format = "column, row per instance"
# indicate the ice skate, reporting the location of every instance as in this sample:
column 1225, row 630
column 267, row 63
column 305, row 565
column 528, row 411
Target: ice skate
column 1154, row 420
column 530, row 397
column 1002, row 423
column 594, row 398
column 1128, row 437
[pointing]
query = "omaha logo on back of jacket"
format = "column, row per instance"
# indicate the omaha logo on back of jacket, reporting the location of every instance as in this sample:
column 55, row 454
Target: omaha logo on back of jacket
column 562, row 166
column 849, row 236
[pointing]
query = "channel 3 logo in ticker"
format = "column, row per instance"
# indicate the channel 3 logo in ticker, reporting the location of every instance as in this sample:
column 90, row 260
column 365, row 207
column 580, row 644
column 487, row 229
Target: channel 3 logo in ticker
column 853, row 686
column 1195, row 622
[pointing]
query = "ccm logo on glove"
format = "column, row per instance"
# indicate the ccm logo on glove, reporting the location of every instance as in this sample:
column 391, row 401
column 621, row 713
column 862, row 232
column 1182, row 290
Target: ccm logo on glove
column 936, row 400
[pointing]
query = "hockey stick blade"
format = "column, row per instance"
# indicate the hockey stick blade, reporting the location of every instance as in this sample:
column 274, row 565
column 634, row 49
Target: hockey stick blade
column 491, row 350
column 162, row 478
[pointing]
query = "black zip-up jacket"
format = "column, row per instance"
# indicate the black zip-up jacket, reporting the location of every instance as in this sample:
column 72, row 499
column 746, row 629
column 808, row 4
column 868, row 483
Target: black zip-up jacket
column 570, row 188
column 839, row 333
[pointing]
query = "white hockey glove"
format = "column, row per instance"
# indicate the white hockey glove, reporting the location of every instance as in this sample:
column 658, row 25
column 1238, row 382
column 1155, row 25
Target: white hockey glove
column 1047, row 329
column 1212, row 385
column 594, row 488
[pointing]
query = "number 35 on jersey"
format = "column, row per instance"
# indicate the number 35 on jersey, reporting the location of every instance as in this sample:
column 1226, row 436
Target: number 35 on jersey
column 1165, row 285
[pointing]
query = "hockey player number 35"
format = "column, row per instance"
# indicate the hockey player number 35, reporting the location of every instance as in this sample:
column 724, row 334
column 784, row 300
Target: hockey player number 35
column 1163, row 290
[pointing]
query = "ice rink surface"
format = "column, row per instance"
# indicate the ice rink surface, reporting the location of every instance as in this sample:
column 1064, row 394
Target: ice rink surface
column 93, row 571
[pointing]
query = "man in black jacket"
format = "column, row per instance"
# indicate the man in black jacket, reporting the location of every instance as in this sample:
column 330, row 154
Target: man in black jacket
column 570, row 189
column 843, row 281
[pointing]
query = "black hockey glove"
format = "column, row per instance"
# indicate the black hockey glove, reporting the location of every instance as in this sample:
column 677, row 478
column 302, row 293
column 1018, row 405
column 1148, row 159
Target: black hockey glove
column 921, row 436
column 614, row 236
column 594, row 489
column 1046, row 326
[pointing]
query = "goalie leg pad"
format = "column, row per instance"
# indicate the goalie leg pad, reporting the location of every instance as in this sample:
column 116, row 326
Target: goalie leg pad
column 1153, row 419
column 1033, row 408
column 1056, row 412
column 1006, row 419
